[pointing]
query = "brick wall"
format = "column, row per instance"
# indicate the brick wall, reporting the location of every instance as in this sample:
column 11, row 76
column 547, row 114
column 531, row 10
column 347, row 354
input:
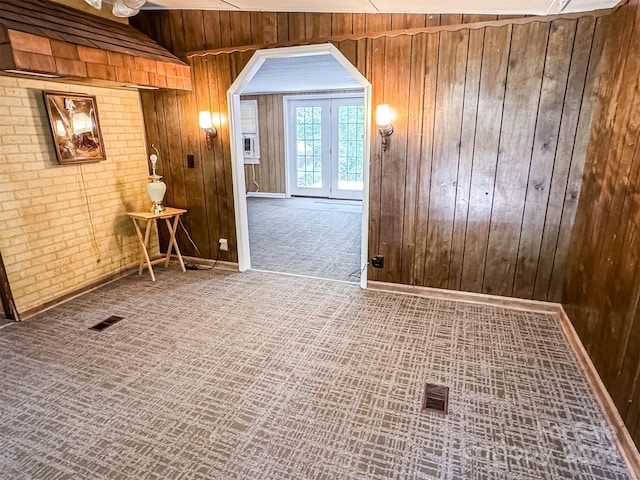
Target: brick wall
column 54, row 237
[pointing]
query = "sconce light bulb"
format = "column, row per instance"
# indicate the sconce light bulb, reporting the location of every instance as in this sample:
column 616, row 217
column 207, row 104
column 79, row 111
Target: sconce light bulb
column 383, row 115
column 205, row 120
column 153, row 158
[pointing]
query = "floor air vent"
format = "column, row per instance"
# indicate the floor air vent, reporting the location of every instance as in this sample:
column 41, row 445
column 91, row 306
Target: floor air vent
column 436, row 398
column 112, row 320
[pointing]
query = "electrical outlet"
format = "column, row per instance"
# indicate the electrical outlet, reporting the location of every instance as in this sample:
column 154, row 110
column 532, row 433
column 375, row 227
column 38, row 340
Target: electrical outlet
column 377, row 261
column 223, row 244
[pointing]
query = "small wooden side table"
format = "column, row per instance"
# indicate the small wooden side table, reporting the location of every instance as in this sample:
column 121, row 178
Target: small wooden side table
column 148, row 219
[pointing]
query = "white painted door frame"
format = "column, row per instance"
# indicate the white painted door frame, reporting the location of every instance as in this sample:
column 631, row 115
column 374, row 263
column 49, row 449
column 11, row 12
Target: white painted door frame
column 237, row 160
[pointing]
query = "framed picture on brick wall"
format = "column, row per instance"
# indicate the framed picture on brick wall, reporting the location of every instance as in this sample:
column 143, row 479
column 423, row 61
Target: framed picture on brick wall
column 75, row 127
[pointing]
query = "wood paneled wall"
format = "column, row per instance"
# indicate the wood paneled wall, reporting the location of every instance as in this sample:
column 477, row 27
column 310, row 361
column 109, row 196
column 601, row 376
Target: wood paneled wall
column 270, row 172
column 602, row 285
column 184, row 31
column 478, row 189
column 485, row 201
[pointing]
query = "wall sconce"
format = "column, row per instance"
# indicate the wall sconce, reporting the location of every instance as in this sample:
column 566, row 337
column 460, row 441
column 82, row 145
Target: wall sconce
column 206, row 123
column 383, row 120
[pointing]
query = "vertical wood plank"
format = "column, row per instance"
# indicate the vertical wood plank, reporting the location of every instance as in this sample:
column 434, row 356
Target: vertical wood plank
column 478, row 18
column 358, row 22
column 493, row 79
column 272, row 132
column 216, row 165
column 618, row 327
column 341, row 23
column 175, row 153
column 526, row 63
column 164, row 35
column 265, row 24
column 432, row 20
column 282, row 22
column 225, row 79
column 377, row 22
column 620, row 176
column 205, row 162
column 544, row 159
column 400, row 21
column 426, row 147
column 450, row 19
column 397, row 59
column 196, row 217
column 240, row 26
column 596, row 66
column 412, row 179
column 194, row 29
column 177, row 31
column 446, row 151
column 297, row 26
column 164, row 166
column 601, row 175
column 212, row 29
column 317, row 25
column 573, row 103
column 349, row 49
column 225, row 29
column 375, row 67
column 361, row 56
column 8, row 304
column 470, row 116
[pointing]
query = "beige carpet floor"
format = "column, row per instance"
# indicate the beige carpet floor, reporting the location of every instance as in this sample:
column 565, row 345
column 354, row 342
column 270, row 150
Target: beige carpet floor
column 221, row 375
column 306, row 236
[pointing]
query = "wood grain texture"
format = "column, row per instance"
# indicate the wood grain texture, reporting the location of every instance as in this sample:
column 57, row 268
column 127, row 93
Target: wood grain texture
column 393, row 161
column 478, row 188
column 521, row 102
column 602, row 286
column 465, row 163
column 8, row 304
column 495, row 55
column 381, row 26
column 552, row 99
column 270, row 172
column 449, row 108
column 414, row 130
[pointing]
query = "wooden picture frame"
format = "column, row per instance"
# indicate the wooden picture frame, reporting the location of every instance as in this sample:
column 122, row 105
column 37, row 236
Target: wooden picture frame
column 75, row 127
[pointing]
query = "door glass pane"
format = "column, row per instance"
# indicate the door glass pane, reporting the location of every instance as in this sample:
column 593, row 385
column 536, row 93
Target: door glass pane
column 350, row 147
column 309, row 147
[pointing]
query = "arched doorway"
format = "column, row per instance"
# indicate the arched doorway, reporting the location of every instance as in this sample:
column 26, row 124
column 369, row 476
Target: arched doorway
column 233, row 96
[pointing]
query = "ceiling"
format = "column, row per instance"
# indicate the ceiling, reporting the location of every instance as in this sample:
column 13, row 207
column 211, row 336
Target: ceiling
column 300, row 74
column 520, row 7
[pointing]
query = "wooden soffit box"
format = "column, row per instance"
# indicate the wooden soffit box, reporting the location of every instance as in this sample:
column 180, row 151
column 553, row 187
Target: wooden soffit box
column 44, row 38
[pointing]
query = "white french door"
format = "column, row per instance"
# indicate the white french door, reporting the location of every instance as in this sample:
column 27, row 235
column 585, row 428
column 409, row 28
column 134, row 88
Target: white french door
column 325, row 153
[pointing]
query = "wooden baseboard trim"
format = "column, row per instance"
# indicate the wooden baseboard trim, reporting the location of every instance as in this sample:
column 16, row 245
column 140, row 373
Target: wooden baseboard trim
column 220, row 265
column 625, row 443
column 467, row 297
column 627, row 447
column 30, row 312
